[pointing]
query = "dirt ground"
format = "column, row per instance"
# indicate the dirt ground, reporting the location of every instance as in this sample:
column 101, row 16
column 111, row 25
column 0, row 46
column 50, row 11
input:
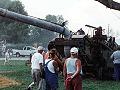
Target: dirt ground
column 6, row 82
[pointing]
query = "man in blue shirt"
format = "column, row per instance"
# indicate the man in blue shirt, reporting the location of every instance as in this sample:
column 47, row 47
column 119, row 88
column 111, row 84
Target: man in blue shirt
column 116, row 60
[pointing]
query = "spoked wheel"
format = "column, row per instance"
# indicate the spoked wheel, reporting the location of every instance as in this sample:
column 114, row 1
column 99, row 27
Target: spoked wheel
column 100, row 73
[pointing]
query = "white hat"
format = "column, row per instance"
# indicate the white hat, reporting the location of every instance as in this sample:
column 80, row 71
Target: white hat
column 74, row 50
column 40, row 48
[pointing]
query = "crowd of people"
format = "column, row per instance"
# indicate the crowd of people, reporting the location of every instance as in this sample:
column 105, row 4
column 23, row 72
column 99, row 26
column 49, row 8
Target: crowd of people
column 45, row 69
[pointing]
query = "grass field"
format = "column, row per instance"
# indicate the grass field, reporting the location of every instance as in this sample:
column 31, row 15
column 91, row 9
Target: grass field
column 19, row 72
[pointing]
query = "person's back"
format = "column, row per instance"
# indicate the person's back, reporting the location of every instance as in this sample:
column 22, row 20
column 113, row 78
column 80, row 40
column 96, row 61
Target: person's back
column 50, row 65
column 37, row 58
column 36, row 68
column 51, row 72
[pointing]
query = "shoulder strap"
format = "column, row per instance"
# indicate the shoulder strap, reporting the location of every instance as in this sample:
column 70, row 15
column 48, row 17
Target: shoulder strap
column 47, row 63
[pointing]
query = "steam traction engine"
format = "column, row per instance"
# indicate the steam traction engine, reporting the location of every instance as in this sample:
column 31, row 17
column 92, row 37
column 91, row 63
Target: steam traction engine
column 94, row 52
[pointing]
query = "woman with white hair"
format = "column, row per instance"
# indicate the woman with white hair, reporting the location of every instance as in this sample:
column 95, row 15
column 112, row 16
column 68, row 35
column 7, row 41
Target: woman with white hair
column 71, row 71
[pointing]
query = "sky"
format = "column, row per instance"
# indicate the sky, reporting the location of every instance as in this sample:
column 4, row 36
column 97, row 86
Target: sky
column 78, row 13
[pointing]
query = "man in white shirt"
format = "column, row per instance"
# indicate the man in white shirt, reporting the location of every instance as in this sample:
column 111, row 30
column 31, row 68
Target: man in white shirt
column 36, row 68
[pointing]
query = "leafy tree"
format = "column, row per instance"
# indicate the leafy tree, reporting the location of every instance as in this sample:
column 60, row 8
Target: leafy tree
column 4, row 3
column 16, row 31
column 51, row 18
column 44, row 36
column 60, row 19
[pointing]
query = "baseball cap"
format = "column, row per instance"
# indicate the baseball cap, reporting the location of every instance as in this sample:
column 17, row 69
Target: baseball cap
column 40, row 48
column 74, row 50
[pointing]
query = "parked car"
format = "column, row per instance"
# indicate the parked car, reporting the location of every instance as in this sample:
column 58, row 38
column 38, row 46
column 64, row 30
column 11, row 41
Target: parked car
column 26, row 51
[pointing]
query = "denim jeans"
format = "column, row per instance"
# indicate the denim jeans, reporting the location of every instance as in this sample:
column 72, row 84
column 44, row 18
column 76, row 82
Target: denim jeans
column 117, row 71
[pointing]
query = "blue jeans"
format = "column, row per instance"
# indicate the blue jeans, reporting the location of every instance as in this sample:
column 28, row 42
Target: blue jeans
column 51, row 79
column 117, row 71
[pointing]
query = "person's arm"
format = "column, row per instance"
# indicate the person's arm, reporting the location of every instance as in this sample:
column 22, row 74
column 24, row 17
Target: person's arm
column 64, row 70
column 32, row 58
column 56, row 68
column 59, row 62
column 40, row 58
column 78, row 67
column 41, row 66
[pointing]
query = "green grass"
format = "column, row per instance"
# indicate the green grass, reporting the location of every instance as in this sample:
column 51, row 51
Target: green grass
column 21, row 73
column 89, row 84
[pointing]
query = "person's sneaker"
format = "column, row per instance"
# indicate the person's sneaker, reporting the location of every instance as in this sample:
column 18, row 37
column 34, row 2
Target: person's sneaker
column 29, row 88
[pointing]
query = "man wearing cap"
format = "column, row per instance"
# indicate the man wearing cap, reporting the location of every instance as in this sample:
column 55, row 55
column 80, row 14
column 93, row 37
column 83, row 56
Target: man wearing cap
column 71, row 71
column 36, row 68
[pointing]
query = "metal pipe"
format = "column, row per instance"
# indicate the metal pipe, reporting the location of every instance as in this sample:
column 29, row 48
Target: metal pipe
column 35, row 22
